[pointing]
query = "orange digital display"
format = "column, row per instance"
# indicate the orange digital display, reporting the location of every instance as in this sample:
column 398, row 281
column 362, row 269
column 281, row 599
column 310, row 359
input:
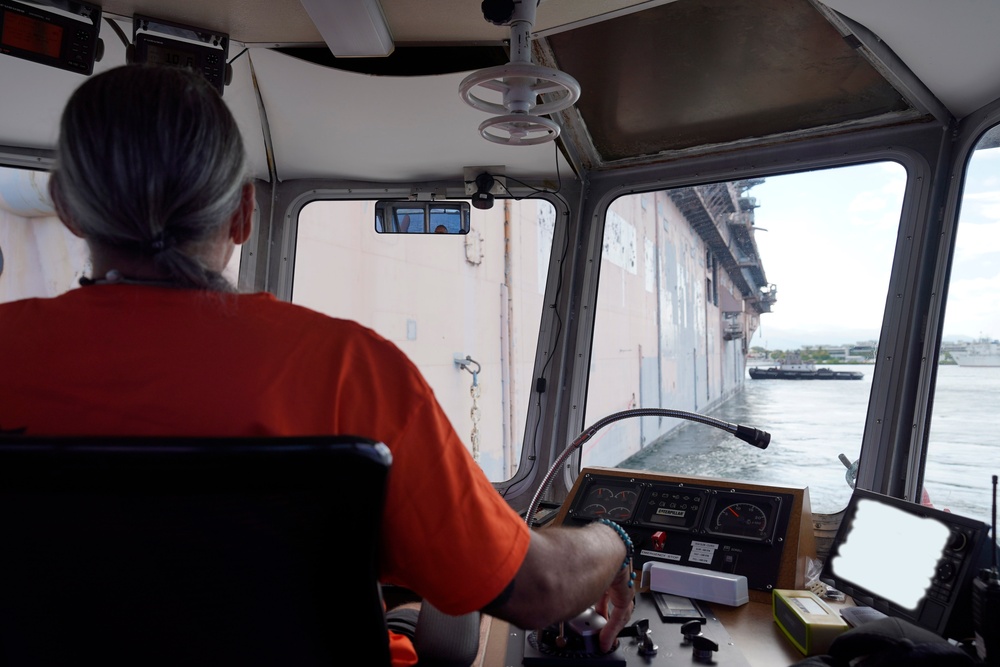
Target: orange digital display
column 28, row 34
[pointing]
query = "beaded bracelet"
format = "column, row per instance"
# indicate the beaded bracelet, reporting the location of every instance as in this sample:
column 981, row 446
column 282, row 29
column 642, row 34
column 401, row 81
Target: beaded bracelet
column 629, row 549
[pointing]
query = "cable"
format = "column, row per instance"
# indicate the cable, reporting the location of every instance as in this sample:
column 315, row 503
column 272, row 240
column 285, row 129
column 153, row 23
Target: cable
column 119, row 31
column 532, row 457
column 245, row 49
column 534, row 191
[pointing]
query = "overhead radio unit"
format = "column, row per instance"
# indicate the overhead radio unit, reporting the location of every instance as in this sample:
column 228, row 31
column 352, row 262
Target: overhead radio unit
column 165, row 43
column 57, row 33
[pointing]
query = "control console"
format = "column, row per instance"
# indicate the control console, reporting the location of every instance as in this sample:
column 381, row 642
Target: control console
column 757, row 531
column 760, row 532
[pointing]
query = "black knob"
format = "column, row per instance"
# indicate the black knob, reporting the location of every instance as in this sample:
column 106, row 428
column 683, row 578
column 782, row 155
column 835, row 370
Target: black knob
column 690, row 629
column 498, row 12
column 702, row 648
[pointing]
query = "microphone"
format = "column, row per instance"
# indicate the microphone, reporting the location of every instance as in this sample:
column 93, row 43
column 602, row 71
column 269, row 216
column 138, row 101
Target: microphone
column 748, row 434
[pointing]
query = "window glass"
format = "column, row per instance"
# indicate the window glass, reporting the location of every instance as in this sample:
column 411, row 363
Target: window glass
column 464, row 308
column 42, row 258
column 963, row 451
column 701, row 285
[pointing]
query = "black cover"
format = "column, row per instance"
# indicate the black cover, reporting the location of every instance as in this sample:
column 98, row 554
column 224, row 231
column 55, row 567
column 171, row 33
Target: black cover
column 890, row 642
column 181, row 551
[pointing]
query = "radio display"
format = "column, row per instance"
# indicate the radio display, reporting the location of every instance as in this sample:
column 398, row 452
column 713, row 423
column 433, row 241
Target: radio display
column 165, row 43
column 160, row 54
column 66, row 37
column 30, row 34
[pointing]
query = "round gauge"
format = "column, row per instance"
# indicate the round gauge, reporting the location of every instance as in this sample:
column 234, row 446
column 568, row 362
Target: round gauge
column 741, row 520
column 628, row 497
column 601, row 493
column 595, row 510
column 620, row 513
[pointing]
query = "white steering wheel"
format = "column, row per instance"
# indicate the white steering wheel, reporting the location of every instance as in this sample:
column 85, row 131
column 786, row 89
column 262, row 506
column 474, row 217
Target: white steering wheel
column 518, row 129
column 520, row 85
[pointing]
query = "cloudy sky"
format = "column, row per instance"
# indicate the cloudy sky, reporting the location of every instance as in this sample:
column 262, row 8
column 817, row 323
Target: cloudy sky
column 829, row 243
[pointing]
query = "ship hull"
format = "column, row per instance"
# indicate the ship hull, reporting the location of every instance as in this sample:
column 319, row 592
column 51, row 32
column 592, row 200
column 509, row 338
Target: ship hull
column 985, row 360
column 817, row 374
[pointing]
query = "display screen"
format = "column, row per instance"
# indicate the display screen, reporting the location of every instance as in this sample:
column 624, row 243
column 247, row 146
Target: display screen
column 909, row 561
column 165, row 55
column 30, row 34
column 878, row 531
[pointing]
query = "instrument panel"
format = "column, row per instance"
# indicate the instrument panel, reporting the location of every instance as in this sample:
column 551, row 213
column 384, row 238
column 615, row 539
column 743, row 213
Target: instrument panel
column 713, row 524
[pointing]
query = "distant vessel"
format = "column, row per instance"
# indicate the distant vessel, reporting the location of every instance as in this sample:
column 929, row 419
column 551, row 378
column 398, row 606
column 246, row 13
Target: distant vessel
column 983, row 352
column 793, row 368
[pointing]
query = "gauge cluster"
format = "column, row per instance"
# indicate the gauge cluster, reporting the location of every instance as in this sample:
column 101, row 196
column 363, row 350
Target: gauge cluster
column 685, row 507
column 609, row 499
column 699, row 522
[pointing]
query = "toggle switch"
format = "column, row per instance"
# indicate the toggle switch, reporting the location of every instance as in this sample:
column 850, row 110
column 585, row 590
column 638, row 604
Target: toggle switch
column 659, row 539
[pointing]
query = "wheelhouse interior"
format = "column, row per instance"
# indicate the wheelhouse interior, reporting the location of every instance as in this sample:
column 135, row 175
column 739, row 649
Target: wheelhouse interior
column 527, row 319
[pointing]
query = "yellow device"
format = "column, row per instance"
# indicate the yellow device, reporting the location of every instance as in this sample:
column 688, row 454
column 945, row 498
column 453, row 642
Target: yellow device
column 807, row 621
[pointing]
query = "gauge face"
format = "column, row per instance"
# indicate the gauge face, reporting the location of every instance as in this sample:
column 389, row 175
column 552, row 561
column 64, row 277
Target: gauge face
column 608, row 499
column 746, row 516
column 743, row 519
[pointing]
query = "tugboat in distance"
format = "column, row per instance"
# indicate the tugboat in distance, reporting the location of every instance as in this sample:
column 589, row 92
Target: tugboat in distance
column 793, row 368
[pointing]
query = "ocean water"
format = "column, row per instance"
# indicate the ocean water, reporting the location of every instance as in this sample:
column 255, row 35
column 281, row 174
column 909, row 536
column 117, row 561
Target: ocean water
column 812, row 422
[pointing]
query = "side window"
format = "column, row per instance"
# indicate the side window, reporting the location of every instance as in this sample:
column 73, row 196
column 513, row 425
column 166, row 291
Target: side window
column 704, row 290
column 42, row 258
column 963, row 451
column 464, row 308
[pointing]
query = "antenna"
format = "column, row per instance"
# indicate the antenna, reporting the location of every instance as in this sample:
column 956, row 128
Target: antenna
column 986, row 602
column 994, row 549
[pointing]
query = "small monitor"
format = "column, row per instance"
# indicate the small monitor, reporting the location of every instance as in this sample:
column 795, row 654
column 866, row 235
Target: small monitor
column 57, row 33
column 908, row 561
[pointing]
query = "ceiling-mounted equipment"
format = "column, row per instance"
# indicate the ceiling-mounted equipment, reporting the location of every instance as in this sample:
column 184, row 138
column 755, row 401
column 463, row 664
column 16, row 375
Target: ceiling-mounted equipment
column 58, row 33
column 483, row 198
column 351, row 28
column 165, row 43
column 515, row 88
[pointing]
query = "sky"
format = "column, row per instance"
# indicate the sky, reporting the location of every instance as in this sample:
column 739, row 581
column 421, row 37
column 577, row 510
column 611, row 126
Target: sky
column 826, row 239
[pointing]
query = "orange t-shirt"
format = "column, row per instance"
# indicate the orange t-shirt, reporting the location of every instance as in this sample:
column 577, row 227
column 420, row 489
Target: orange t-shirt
column 140, row 360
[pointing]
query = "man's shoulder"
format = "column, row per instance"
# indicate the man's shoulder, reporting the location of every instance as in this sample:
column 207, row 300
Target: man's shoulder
column 286, row 315
column 267, row 305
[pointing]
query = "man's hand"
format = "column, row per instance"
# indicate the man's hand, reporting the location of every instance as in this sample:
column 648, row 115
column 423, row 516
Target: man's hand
column 616, row 605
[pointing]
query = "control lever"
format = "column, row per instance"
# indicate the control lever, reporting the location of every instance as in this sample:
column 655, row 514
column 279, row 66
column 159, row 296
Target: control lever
column 701, row 646
column 640, row 630
column 690, row 630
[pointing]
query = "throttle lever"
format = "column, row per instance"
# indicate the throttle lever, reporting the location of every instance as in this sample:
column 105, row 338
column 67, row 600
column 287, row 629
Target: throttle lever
column 640, row 630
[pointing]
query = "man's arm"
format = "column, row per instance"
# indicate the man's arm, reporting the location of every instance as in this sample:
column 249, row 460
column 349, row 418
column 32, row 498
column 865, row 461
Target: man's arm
column 566, row 570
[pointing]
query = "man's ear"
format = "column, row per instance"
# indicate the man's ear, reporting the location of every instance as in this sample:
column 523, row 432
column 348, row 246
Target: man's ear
column 241, row 224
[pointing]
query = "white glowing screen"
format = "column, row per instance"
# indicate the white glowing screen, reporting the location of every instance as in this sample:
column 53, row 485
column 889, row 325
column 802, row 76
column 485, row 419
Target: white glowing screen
column 890, row 552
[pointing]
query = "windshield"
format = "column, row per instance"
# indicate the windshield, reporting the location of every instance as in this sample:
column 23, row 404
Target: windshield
column 464, row 308
column 704, row 290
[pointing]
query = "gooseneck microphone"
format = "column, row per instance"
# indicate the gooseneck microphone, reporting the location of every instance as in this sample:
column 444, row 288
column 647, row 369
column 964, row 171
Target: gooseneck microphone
column 748, row 434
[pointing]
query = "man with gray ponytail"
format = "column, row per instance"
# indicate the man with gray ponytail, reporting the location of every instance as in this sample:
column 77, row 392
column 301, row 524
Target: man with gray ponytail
column 150, row 172
column 157, row 191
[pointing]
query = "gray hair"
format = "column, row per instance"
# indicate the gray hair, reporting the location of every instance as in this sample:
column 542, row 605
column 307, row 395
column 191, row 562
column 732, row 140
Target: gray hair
column 150, row 162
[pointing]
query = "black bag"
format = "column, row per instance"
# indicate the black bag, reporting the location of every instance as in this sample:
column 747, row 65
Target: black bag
column 890, row 642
